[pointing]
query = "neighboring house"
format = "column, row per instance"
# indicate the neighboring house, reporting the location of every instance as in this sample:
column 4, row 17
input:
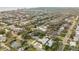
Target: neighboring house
column 49, row 43
column 6, row 30
column 72, row 43
column 15, row 44
column 11, row 27
column 44, row 40
column 66, row 25
column 77, row 29
column 17, row 30
column 77, row 34
column 76, row 38
column 61, row 29
column 68, row 19
column 43, row 28
column 2, row 38
column 37, row 45
column 21, row 49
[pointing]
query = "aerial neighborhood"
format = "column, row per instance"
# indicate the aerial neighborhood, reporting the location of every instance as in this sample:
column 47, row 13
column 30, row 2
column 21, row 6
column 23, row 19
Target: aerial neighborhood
column 39, row 29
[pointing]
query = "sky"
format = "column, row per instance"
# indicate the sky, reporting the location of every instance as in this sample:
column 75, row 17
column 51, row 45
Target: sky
column 39, row 3
column 36, row 3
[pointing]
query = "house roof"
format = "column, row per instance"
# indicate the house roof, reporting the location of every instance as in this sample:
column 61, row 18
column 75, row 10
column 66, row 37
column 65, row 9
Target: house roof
column 72, row 43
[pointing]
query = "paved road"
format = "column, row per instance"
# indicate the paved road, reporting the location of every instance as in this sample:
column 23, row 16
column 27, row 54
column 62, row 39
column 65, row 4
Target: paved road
column 67, row 37
column 3, row 45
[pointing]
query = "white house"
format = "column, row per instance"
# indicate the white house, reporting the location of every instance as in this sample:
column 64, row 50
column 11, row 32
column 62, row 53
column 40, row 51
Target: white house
column 2, row 38
column 17, row 30
column 77, row 29
column 72, row 43
column 61, row 29
column 11, row 26
column 15, row 44
column 37, row 45
column 76, row 39
column 49, row 43
column 43, row 28
column 21, row 49
column 44, row 40
column 77, row 34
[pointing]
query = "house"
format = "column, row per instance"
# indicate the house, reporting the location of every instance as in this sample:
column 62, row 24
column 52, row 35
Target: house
column 49, row 43
column 60, row 30
column 44, row 40
column 66, row 25
column 68, row 19
column 72, row 43
column 77, row 34
column 37, row 45
column 43, row 28
column 77, row 29
column 15, row 44
column 76, row 39
column 6, row 30
column 21, row 49
column 17, row 30
column 2, row 38
column 11, row 27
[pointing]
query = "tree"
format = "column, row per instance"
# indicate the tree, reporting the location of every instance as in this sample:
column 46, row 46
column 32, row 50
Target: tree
column 55, row 46
column 9, row 34
column 47, row 48
column 25, row 35
column 2, row 31
column 67, row 48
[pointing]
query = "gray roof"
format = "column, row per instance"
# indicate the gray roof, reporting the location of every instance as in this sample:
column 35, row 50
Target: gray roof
column 2, row 38
column 49, row 43
column 15, row 44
